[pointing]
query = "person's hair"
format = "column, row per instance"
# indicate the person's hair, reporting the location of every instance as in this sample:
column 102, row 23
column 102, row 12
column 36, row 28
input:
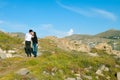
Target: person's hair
column 30, row 30
column 35, row 34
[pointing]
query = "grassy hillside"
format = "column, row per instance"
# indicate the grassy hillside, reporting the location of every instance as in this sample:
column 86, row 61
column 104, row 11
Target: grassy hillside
column 8, row 42
column 110, row 34
column 57, row 64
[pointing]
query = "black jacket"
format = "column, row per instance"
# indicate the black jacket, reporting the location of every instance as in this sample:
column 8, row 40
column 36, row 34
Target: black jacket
column 35, row 40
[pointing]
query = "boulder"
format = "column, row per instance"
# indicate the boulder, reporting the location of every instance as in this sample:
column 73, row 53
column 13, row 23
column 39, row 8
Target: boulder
column 87, row 77
column 23, row 71
column 99, row 72
column 108, row 78
column 1, row 51
column 104, row 68
column 118, row 75
column 101, row 69
column 17, row 55
column 70, row 79
column 9, row 55
column 11, row 51
column 78, row 78
column 93, row 54
column 105, row 47
column 4, row 55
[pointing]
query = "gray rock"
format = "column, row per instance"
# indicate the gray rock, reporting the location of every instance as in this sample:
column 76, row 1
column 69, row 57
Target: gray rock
column 9, row 55
column 78, row 78
column 99, row 72
column 17, row 55
column 101, row 69
column 1, row 51
column 93, row 54
column 88, row 69
column 45, row 72
column 118, row 75
column 104, row 68
column 108, row 78
column 78, row 75
column 87, row 77
column 11, row 51
column 23, row 71
column 3, row 55
column 70, row 79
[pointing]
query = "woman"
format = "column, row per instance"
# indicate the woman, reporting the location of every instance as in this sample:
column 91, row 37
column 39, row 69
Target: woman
column 35, row 44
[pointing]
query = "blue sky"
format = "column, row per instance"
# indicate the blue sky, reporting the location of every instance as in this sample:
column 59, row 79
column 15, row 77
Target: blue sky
column 59, row 17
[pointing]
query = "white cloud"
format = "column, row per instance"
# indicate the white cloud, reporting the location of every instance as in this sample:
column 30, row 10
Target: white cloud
column 89, row 12
column 74, row 9
column 105, row 13
column 50, row 30
column 70, row 32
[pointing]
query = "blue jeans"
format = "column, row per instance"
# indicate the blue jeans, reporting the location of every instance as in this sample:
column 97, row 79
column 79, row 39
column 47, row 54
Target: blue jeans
column 34, row 49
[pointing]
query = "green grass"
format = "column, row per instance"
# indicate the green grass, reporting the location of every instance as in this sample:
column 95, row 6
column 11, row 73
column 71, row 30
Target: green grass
column 63, row 63
column 7, row 42
column 58, row 65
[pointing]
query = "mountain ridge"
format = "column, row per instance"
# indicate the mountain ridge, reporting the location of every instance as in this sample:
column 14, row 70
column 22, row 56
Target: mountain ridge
column 109, row 34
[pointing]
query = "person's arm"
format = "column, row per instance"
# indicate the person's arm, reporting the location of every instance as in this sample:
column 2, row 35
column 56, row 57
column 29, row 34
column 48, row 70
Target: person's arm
column 25, row 36
column 36, row 40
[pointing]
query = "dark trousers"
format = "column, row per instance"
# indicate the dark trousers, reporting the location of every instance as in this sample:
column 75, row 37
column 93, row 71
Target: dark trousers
column 28, row 48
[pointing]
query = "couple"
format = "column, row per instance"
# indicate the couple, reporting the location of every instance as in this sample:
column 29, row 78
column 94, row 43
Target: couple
column 31, row 37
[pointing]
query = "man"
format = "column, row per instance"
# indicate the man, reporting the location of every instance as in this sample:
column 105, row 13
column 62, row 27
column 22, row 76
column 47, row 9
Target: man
column 28, row 38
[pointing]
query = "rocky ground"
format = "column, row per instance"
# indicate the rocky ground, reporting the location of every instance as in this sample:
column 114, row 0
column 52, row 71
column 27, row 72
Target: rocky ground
column 61, row 59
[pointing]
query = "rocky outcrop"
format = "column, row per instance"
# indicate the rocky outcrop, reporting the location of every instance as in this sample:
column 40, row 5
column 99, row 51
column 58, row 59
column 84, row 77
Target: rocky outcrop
column 78, row 46
column 105, row 47
column 108, row 49
column 69, row 44
column 4, row 55
column 117, row 53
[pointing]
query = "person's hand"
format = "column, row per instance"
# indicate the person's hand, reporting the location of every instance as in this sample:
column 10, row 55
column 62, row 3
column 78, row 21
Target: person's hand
column 37, row 45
